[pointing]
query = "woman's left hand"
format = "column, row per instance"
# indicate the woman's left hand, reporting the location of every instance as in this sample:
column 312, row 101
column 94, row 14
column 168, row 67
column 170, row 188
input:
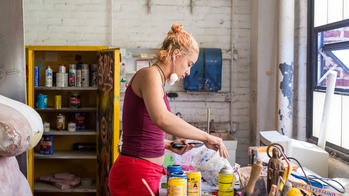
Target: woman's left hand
column 182, row 150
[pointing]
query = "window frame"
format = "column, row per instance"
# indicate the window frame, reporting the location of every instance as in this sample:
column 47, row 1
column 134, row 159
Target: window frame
column 312, row 73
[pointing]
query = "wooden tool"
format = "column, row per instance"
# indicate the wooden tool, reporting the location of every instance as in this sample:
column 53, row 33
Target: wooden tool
column 255, row 172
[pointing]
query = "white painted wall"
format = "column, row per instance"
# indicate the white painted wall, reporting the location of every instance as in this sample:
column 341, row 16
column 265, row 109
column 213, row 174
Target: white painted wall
column 263, row 76
column 122, row 23
column 263, row 66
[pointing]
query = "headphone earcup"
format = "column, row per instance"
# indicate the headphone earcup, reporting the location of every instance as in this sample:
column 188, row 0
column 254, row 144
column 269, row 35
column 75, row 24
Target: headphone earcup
column 173, row 79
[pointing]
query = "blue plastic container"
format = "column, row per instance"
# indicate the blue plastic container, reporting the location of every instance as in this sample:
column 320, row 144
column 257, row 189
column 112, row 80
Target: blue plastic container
column 41, row 101
column 173, row 169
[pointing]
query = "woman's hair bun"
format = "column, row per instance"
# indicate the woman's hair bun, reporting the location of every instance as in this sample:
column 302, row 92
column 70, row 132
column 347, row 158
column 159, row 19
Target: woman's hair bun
column 177, row 28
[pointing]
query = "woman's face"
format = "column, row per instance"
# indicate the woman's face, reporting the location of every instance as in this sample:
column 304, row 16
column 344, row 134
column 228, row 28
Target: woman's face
column 184, row 63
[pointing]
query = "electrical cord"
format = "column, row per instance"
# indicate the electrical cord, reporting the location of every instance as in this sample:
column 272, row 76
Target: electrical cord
column 324, row 180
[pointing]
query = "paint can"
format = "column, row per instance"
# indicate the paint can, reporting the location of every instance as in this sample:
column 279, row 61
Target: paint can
column 61, row 68
column 176, row 186
column 41, row 101
column 94, row 75
column 58, row 101
column 80, row 118
column 71, row 127
column 85, row 76
column 180, row 175
column 60, row 79
column 194, row 183
column 225, row 182
column 46, row 144
column 173, row 169
column 75, row 101
column 46, row 126
column 72, row 75
column 60, row 122
column 36, row 76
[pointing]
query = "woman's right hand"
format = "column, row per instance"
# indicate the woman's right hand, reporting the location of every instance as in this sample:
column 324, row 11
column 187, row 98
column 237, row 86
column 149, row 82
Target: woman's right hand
column 216, row 143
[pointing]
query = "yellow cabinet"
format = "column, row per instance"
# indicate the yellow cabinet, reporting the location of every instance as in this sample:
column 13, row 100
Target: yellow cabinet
column 90, row 150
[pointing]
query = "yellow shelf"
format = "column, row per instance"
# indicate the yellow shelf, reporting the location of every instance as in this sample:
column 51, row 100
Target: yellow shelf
column 65, row 132
column 84, row 109
column 49, row 188
column 97, row 101
column 44, row 88
column 67, row 155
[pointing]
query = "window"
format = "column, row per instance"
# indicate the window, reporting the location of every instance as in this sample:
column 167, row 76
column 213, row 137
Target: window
column 328, row 50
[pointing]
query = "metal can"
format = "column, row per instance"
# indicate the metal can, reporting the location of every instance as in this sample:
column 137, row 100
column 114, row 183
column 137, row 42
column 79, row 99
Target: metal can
column 71, row 127
column 194, row 183
column 85, row 75
column 72, row 75
column 180, row 175
column 41, row 101
column 75, row 101
column 58, row 101
column 176, row 186
column 46, row 126
column 94, row 75
column 61, row 68
column 46, row 144
column 225, row 181
column 60, row 122
column 59, row 79
column 80, row 119
column 78, row 78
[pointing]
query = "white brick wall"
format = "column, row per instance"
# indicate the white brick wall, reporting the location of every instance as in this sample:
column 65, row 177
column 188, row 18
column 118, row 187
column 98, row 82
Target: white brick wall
column 123, row 23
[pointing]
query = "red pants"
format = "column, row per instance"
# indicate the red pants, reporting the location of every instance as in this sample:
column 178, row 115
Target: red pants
column 125, row 177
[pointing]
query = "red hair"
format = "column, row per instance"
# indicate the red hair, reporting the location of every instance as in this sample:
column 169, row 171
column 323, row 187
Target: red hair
column 177, row 39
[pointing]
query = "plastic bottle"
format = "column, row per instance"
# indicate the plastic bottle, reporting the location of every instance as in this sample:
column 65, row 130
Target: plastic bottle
column 48, row 77
column 36, row 76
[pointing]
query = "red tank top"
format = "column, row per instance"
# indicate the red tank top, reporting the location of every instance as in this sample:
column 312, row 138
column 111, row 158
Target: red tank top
column 140, row 137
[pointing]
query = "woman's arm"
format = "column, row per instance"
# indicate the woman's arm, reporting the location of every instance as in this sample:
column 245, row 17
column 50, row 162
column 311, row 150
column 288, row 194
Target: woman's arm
column 149, row 86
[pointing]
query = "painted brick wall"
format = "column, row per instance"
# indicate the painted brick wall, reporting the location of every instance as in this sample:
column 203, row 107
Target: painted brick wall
column 122, row 23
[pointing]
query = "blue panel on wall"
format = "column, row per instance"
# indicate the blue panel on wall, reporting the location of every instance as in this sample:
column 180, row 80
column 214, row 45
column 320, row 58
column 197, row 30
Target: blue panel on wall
column 206, row 74
column 194, row 81
column 213, row 69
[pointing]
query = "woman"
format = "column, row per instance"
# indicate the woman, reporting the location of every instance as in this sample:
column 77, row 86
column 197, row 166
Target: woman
column 147, row 116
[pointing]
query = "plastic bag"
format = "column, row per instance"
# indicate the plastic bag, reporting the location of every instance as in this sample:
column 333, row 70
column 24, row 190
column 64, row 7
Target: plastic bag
column 205, row 160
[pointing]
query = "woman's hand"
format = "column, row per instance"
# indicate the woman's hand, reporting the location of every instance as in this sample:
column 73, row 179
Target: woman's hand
column 179, row 151
column 216, row 143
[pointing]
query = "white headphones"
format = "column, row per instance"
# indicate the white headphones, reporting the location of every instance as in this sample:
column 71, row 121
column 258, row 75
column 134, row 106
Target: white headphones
column 173, row 77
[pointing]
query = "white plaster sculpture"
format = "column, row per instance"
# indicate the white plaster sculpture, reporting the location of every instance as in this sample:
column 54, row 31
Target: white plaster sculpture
column 20, row 129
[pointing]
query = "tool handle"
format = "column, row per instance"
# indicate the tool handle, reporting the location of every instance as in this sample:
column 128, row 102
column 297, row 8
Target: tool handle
column 255, row 172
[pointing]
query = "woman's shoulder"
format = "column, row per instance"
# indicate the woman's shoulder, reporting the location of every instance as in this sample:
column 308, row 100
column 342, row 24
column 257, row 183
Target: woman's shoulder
column 146, row 72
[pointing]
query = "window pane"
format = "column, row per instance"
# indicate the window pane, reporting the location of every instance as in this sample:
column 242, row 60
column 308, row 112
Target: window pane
column 325, row 61
column 345, row 122
column 342, row 55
